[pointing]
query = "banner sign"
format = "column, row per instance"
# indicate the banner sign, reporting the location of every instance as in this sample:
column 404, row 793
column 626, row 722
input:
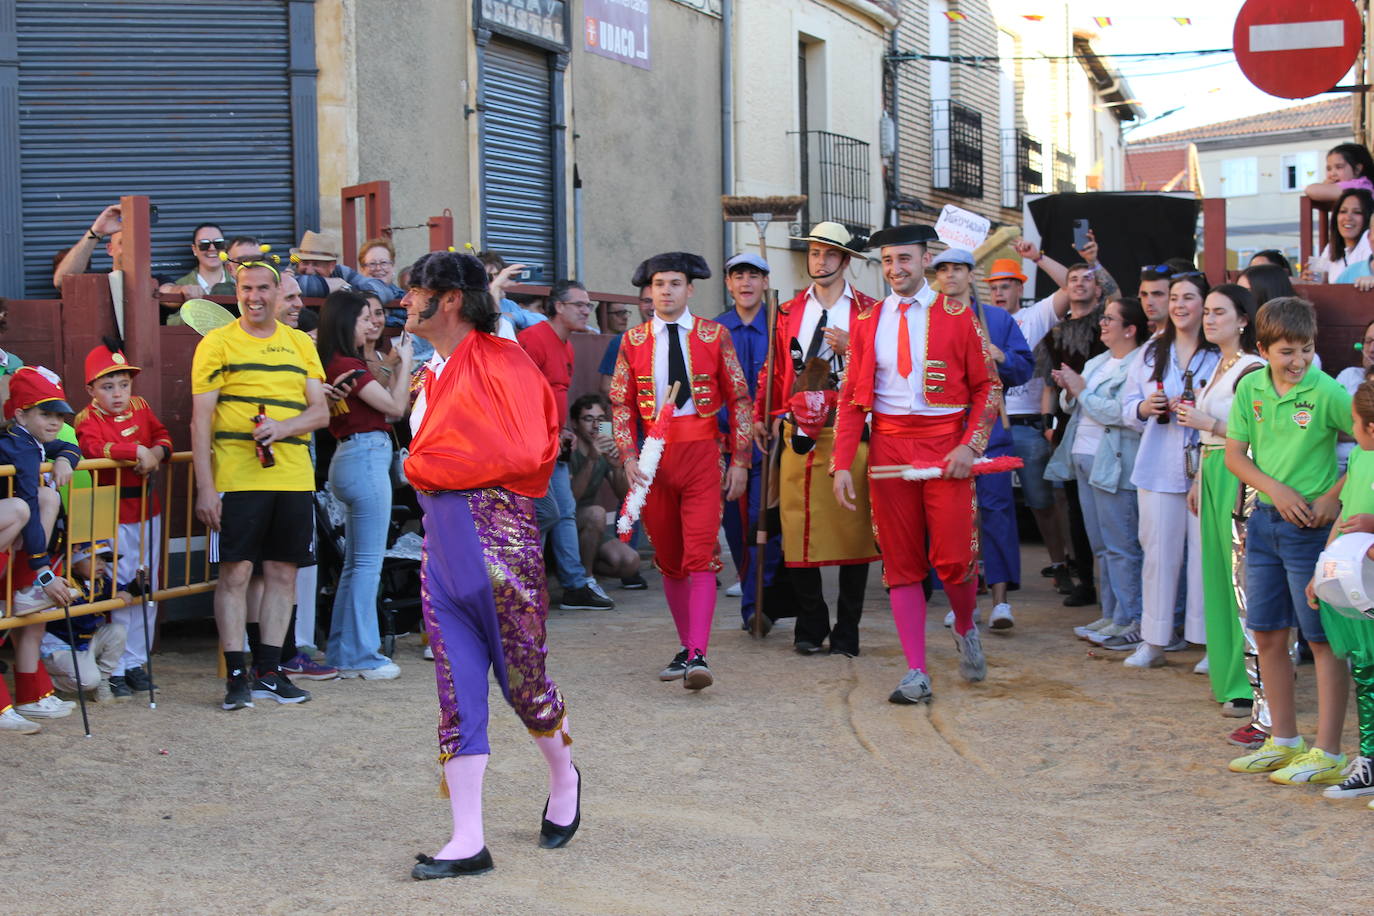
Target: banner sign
column 958, row 228
column 543, row 22
column 618, row 29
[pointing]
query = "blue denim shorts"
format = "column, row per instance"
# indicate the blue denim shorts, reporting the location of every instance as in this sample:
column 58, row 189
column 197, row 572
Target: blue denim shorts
column 1028, row 443
column 1279, row 560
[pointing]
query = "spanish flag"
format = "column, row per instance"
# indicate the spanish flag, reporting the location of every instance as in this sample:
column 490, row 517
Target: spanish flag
column 956, row 17
column 1033, row 17
column 1183, row 20
column 1102, row 21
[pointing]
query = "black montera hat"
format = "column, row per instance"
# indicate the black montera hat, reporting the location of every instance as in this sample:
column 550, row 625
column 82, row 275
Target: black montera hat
column 682, row 262
column 902, row 235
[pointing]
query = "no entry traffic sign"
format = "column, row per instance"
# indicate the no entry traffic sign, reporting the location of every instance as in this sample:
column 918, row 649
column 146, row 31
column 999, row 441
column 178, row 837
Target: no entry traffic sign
column 1296, row 48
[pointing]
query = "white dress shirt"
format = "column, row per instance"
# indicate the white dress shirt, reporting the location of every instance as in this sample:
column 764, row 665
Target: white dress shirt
column 1035, row 321
column 685, row 321
column 435, row 365
column 837, row 317
column 892, row 393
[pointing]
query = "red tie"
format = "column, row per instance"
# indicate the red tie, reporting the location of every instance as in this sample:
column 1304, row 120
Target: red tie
column 903, row 343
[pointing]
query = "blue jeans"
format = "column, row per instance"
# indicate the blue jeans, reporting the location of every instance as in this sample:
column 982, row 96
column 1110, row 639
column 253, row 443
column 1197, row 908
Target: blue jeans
column 360, row 478
column 1028, row 443
column 1112, row 521
column 1279, row 559
column 556, row 511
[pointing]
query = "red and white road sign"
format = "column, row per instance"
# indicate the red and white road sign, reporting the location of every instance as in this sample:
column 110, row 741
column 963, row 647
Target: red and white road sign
column 1296, row 48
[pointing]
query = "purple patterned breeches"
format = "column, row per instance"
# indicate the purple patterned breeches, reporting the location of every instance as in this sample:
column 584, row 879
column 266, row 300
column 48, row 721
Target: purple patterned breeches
column 482, row 590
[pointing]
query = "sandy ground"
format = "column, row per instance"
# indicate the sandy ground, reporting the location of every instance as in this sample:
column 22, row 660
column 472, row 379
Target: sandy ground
column 1064, row 783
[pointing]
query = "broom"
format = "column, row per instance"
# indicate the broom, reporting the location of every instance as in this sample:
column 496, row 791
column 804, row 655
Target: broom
column 761, row 211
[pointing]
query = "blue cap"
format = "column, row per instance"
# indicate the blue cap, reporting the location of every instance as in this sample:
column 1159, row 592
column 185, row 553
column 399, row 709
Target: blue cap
column 747, row 259
column 953, row 256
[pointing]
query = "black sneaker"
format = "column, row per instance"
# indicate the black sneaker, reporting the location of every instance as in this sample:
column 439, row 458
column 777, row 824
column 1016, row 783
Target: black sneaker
column 697, row 675
column 1359, row 780
column 634, row 583
column 277, row 686
column 1063, row 580
column 583, row 598
column 138, row 680
column 1081, row 596
column 676, row 668
column 119, row 688
column 238, row 692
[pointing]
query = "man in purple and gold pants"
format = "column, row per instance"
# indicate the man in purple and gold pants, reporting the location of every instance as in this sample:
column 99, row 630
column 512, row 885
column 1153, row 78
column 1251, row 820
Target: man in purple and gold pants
column 485, row 440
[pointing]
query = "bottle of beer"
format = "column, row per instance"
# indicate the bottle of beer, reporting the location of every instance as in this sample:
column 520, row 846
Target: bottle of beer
column 1189, row 397
column 265, row 456
column 1164, row 417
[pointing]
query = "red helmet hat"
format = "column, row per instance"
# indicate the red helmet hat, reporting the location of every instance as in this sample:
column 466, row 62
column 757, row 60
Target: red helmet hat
column 105, row 359
column 36, row 386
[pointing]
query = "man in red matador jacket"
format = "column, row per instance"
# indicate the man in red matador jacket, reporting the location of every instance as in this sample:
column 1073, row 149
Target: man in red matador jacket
column 815, row 531
column 682, row 511
column 920, row 363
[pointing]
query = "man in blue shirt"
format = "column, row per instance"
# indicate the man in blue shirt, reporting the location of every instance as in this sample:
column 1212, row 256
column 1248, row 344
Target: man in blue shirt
column 1001, row 546
column 746, row 279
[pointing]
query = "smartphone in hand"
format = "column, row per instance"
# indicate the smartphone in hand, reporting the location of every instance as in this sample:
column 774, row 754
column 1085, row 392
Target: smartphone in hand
column 1080, row 234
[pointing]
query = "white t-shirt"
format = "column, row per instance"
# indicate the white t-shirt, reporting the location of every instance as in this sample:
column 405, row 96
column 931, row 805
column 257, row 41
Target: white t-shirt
column 1334, row 268
column 1035, row 322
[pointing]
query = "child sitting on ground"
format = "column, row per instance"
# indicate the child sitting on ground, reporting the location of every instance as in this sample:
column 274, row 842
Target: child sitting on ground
column 99, row 640
column 1281, row 440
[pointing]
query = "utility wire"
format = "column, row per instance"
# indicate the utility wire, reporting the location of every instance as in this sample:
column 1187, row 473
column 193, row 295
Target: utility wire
column 983, row 59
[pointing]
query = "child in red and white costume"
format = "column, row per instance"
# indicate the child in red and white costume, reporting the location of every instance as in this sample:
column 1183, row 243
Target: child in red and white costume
column 920, row 363
column 682, row 511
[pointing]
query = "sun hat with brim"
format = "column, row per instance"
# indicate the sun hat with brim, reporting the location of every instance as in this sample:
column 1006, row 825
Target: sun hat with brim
column 834, row 235
column 36, row 386
column 316, row 246
column 1344, row 577
column 1007, row 269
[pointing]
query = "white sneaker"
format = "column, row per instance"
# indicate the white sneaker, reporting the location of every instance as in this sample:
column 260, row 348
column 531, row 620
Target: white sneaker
column 388, row 672
column 1202, row 666
column 1000, row 618
column 11, row 721
column 50, row 707
column 1145, row 656
column 596, row 588
column 949, row 618
column 428, row 654
column 1098, row 637
column 735, row 590
column 1085, row 632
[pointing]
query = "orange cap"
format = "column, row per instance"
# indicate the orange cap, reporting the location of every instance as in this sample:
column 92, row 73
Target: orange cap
column 102, row 361
column 1007, row 269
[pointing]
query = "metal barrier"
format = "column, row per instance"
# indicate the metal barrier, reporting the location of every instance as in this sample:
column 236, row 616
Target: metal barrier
column 93, row 516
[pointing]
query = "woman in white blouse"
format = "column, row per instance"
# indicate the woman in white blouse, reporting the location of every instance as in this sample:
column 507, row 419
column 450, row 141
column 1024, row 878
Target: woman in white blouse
column 1228, row 321
column 1348, row 240
column 1178, row 359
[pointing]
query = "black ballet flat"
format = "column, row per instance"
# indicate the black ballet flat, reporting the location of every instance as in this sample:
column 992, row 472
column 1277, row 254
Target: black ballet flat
column 555, row 836
column 427, row 867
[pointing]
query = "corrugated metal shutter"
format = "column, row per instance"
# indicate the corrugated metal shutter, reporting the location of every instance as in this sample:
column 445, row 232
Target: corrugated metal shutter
column 517, row 156
column 184, row 102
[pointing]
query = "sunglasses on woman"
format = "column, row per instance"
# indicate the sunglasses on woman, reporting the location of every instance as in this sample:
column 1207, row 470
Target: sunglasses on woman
column 207, row 244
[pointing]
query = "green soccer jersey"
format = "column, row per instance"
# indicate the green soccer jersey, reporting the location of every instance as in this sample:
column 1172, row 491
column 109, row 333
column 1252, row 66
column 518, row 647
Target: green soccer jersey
column 1292, row 437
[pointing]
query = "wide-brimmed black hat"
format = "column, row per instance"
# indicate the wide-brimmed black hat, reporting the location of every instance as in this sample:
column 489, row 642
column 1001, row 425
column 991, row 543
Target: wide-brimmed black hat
column 683, row 262
column 902, row 235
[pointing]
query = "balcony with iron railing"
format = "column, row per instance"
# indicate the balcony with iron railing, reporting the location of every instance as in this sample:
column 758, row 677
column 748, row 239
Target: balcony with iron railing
column 1023, row 170
column 835, row 180
column 1064, row 165
column 958, row 149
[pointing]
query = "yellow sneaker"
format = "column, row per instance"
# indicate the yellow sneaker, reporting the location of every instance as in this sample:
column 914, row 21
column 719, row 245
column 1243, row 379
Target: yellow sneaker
column 1316, row 767
column 1268, row 758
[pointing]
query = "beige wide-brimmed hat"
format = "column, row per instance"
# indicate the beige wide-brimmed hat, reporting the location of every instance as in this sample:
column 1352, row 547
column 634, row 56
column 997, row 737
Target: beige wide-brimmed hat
column 317, row 246
column 834, row 235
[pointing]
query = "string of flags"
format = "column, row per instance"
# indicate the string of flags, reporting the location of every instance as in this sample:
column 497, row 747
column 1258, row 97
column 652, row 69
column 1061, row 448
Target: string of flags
column 1102, row 22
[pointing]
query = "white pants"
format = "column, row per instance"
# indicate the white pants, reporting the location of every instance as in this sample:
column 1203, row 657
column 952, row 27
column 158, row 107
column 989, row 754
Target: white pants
column 306, row 580
column 133, row 553
column 96, row 662
column 1166, row 526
